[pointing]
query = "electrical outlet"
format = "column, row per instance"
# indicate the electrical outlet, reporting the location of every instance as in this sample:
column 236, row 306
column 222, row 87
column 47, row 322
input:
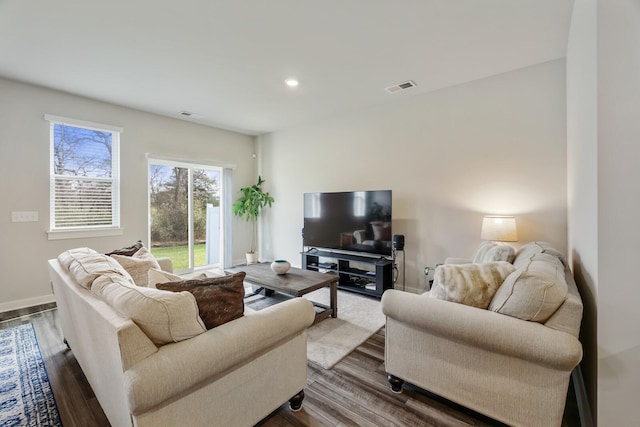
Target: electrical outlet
column 24, row 216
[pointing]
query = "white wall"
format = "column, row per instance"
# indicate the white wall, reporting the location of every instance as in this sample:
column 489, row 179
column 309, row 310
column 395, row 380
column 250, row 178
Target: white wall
column 618, row 29
column 496, row 145
column 582, row 177
column 24, row 178
column 603, row 80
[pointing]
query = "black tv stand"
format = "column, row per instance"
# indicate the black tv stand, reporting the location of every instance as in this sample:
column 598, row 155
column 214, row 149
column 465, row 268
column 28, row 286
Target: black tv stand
column 372, row 282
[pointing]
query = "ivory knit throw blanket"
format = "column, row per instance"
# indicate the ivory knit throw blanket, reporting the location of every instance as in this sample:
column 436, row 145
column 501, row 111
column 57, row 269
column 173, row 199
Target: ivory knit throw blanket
column 470, row 284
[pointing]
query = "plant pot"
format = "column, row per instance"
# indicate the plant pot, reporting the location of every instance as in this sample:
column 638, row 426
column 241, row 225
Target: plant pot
column 280, row 266
column 252, row 258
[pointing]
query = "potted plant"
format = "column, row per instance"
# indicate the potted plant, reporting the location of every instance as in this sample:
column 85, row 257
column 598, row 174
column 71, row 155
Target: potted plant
column 248, row 207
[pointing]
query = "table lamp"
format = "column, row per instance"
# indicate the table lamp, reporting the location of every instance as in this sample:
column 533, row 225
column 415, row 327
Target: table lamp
column 499, row 229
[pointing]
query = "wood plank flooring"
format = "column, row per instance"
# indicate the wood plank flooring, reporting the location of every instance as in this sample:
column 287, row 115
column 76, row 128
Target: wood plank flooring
column 76, row 402
column 354, row 393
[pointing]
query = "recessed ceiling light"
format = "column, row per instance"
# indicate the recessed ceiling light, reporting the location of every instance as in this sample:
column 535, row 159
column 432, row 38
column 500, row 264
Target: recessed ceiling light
column 292, row 82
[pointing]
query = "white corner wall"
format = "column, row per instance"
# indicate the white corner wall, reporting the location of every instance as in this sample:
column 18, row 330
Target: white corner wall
column 491, row 146
column 24, row 149
column 582, row 179
column 618, row 30
column 603, row 88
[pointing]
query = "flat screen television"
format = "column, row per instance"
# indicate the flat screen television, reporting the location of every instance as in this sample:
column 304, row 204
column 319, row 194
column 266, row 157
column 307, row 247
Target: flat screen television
column 352, row 221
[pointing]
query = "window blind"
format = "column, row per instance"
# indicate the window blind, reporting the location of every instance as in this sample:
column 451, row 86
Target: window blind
column 84, row 175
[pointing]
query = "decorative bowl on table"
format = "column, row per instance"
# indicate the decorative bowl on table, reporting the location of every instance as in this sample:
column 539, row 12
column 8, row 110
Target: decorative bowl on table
column 280, row 266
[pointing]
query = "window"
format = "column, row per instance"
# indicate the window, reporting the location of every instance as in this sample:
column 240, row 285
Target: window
column 186, row 219
column 84, row 177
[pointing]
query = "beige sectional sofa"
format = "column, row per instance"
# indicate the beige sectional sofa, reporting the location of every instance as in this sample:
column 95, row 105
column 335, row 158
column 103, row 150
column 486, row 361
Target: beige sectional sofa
column 232, row 375
column 511, row 360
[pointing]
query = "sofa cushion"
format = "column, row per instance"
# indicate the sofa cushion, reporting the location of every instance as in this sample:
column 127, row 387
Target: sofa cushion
column 492, row 252
column 155, row 276
column 128, row 250
column 219, row 299
column 469, row 284
column 86, row 265
column 163, row 316
column 531, row 249
column 67, row 257
column 533, row 292
column 138, row 265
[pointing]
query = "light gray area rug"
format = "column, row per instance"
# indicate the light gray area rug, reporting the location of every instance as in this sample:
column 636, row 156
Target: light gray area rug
column 330, row 340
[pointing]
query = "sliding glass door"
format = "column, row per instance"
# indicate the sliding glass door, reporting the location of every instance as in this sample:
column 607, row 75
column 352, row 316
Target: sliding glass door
column 185, row 217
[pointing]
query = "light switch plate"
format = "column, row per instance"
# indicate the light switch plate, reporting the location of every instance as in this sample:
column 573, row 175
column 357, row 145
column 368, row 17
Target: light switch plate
column 24, row 216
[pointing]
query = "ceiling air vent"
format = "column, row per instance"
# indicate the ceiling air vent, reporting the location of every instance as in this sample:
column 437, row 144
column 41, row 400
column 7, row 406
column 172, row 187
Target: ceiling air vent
column 400, row 86
column 189, row 115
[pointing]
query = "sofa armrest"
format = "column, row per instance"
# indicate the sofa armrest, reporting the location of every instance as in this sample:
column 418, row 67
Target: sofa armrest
column 166, row 264
column 178, row 367
column 484, row 329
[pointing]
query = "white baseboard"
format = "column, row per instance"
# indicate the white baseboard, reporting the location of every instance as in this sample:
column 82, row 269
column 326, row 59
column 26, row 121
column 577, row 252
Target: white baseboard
column 29, row 302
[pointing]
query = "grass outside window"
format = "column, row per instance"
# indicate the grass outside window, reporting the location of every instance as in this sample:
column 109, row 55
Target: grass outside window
column 180, row 255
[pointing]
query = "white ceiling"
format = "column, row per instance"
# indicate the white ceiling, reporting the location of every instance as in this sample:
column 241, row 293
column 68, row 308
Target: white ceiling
column 227, row 59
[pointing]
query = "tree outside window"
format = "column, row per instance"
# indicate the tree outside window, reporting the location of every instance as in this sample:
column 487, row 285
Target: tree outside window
column 84, row 177
column 184, row 201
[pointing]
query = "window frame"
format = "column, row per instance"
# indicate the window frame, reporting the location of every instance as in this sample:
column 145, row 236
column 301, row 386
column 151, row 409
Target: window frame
column 226, row 194
column 55, row 233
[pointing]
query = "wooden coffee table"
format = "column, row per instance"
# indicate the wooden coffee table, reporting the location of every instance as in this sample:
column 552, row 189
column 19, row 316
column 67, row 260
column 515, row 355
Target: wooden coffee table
column 295, row 282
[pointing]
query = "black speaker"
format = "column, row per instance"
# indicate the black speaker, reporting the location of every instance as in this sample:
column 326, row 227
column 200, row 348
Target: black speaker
column 398, row 242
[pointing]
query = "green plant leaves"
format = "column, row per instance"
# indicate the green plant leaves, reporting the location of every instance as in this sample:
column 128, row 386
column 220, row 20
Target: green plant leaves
column 252, row 200
column 250, row 203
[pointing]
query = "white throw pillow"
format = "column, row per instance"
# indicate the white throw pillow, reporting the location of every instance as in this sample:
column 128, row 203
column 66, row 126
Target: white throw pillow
column 533, row 292
column 163, row 316
column 155, row 276
column 67, row 257
column 86, row 266
column 491, row 252
column 531, row 249
column 138, row 265
column 469, row 284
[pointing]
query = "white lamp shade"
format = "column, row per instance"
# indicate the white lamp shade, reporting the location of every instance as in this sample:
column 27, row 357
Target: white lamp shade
column 499, row 229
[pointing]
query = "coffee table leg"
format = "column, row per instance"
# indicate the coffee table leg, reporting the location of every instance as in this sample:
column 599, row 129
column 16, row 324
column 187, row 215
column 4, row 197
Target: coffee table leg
column 334, row 299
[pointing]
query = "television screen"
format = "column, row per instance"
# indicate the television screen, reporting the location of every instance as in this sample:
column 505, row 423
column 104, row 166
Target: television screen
column 357, row 221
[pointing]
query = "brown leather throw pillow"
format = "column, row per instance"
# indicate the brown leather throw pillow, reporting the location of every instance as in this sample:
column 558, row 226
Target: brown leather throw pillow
column 129, row 250
column 220, row 299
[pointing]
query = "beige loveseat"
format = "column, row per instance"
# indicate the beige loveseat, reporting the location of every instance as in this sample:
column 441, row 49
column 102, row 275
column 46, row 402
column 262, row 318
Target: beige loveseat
column 513, row 370
column 232, row 375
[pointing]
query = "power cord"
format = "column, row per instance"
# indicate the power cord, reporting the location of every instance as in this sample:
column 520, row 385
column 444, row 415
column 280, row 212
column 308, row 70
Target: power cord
column 395, row 268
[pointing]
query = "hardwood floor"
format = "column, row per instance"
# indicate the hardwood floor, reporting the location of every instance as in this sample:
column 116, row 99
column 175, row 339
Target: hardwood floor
column 354, row 393
column 76, row 402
